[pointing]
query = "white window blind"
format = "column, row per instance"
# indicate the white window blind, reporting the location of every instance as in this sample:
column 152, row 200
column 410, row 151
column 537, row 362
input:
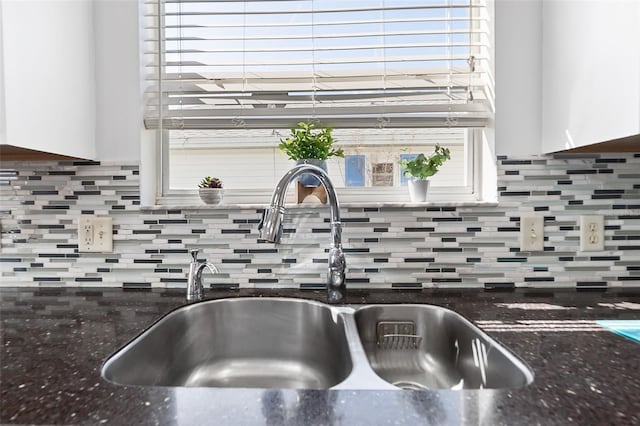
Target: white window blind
column 261, row 64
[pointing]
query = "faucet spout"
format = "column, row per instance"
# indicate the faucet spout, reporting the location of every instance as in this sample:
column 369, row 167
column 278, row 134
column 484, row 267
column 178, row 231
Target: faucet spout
column 195, row 289
column 273, row 217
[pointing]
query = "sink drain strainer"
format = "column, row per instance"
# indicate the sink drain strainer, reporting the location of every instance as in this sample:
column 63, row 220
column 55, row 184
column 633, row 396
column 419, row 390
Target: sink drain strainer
column 397, row 335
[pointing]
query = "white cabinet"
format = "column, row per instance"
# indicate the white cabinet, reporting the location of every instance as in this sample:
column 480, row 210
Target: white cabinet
column 590, row 72
column 47, row 76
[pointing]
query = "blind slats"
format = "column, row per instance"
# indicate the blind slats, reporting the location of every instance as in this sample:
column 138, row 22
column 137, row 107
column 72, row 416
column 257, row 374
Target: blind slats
column 361, row 47
column 266, row 64
column 202, row 24
column 288, row 121
column 200, row 97
column 198, row 8
column 336, row 36
column 267, row 60
column 264, row 111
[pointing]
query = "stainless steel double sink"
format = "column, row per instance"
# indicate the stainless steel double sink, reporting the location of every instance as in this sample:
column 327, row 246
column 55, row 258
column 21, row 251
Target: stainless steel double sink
column 302, row 344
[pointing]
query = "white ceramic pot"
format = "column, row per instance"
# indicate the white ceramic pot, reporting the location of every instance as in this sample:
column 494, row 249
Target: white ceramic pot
column 418, row 190
column 211, row 195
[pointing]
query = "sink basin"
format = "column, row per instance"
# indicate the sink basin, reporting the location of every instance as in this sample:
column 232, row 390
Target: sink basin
column 301, row 344
column 430, row 347
column 242, row 342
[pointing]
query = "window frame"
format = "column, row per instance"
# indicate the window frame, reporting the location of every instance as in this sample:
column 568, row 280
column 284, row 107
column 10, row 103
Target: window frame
column 481, row 189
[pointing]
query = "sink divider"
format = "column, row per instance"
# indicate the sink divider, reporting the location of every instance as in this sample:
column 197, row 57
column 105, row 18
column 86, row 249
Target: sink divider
column 362, row 375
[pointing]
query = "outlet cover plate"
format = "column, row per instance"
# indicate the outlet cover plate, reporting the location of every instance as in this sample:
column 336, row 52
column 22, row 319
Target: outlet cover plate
column 95, row 234
column 592, row 233
column 532, row 233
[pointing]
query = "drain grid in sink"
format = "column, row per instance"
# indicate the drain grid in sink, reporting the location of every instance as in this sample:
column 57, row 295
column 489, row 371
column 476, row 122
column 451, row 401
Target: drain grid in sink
column 397, row 335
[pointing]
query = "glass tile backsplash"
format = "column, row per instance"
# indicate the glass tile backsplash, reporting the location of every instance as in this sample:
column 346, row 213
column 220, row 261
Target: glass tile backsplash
column 386, row 247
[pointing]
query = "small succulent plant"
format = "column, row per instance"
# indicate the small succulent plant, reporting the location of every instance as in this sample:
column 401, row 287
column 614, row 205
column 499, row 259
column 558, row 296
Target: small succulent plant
column 209, row 182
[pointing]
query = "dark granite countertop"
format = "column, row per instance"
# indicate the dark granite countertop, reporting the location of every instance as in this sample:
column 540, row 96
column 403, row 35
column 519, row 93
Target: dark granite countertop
column 54, row 341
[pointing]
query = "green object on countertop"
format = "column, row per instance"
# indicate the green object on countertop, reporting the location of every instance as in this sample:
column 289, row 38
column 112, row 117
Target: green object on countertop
column 627, row 328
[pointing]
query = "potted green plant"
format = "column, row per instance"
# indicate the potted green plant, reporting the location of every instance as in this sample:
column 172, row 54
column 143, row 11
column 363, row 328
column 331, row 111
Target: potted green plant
column 210, row 190
column 311, row 145
column 419, row 169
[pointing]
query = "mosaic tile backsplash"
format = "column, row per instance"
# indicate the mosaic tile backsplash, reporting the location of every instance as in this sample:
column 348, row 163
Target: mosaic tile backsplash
column 386, row 247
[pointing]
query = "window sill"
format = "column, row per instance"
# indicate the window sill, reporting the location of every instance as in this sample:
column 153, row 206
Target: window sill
column 198, row 205
column 348, row 197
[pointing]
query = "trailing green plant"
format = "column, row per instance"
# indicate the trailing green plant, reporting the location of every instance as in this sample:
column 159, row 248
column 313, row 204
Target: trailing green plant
column 309, row 142
column 422, row 166
column 209, row 182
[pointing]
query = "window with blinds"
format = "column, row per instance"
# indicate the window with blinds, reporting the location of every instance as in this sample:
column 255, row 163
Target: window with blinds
column 235, row 75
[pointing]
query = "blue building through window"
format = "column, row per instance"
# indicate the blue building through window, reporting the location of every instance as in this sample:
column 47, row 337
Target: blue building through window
column 408, row 157
column 354, row 166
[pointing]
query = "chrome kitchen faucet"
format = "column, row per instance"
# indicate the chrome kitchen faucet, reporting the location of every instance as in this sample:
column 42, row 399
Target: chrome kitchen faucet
column 271, row 226
column 195, row 289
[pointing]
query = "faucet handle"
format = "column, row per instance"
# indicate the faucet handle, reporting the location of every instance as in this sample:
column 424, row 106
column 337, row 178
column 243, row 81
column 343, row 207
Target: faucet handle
column 194, row 255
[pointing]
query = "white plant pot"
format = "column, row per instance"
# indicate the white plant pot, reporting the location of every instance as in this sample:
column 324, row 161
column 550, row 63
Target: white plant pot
column 211, row 195
column 418, row 190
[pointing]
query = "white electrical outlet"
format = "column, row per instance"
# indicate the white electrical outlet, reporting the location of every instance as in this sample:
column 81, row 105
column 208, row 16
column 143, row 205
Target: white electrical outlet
column 86, row 233
column 95, row 234
column 591, row 233
column 532, row 233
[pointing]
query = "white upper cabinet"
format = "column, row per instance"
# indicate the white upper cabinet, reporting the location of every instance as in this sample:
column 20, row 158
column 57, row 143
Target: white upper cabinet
column 47, row 76
column 590, row 72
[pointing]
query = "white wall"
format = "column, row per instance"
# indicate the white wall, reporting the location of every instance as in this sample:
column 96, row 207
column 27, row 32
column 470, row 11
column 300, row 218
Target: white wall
column 49, row 85
column 518, row 66
column 591, row 72
column 93, row 56
column 3, row 126
column 118, row 100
